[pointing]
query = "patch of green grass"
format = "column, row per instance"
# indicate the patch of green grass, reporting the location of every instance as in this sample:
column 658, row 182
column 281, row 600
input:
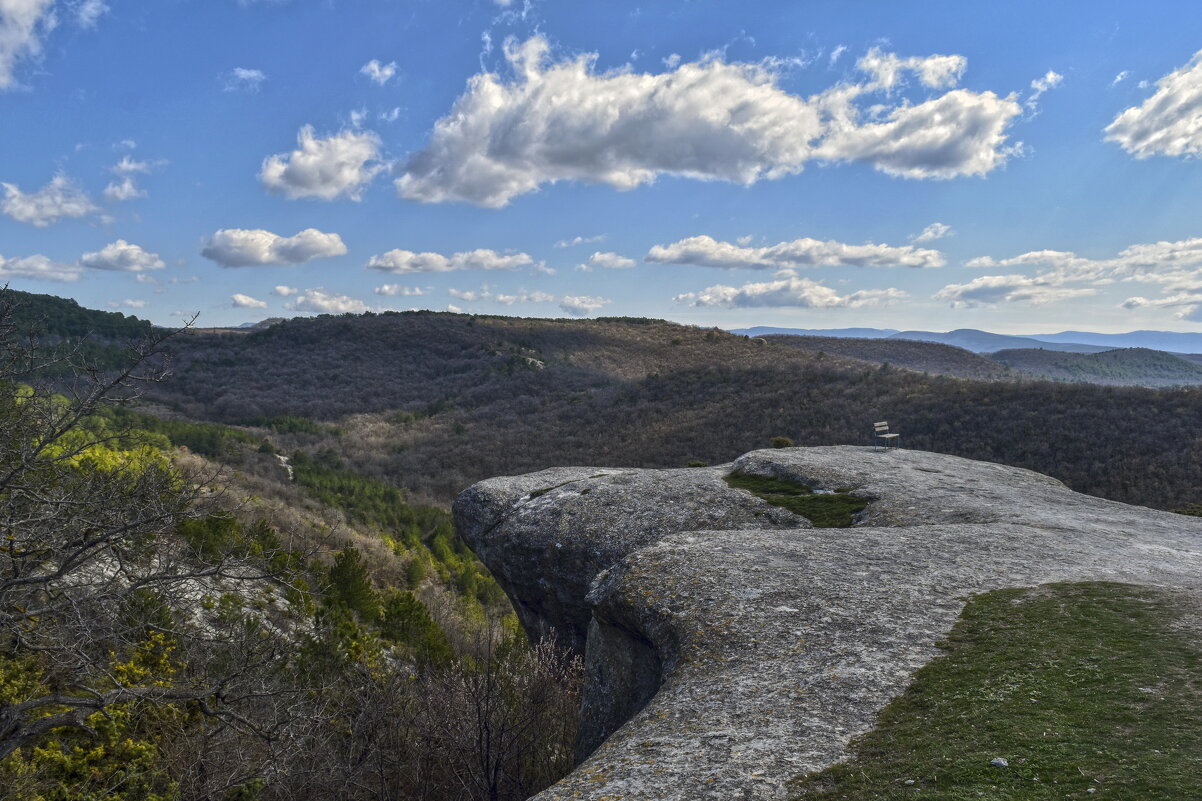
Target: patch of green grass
column 1193, row 510
column 825, row 510
column 1078, row 686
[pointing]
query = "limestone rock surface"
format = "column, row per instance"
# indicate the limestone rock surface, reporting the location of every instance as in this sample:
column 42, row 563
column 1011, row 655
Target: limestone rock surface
column 730, row 647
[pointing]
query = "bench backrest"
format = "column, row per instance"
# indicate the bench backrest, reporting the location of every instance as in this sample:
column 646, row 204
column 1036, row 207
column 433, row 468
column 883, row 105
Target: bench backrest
column 882, row 426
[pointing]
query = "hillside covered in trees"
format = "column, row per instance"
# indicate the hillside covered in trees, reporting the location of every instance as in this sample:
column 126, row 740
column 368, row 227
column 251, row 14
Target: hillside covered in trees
column 1118, row 367
column 185, row 615
column 432, row 402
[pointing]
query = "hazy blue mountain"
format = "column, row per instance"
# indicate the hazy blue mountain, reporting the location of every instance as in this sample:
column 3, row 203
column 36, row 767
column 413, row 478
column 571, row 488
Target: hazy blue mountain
column 985, row 342
column 858, row 333
column 1171, row 341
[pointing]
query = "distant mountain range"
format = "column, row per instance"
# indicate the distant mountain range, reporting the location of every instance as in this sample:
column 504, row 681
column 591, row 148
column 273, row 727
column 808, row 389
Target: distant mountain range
column 986, row 342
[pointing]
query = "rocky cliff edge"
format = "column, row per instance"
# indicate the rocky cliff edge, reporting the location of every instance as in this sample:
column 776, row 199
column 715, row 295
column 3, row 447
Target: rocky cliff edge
column 730, row 646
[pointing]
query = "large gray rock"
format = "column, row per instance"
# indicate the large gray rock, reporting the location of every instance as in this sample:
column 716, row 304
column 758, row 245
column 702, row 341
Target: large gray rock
column 730, row 648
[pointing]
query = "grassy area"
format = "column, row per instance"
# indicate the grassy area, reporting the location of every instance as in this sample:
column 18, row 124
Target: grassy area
column 824, row 510
column 1078, row 686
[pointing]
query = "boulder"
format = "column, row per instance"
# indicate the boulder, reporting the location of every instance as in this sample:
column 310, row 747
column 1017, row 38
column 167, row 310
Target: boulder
column 730, row 647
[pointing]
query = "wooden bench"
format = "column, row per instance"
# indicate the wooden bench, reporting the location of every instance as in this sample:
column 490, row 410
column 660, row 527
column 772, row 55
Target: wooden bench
column 882, row 434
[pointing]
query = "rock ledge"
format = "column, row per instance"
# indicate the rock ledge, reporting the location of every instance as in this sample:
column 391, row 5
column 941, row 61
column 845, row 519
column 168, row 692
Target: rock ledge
column 730, row 647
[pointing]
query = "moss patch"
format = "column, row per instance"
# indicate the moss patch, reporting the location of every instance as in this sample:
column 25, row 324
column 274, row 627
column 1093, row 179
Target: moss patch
column 824, row 510
column 1078, row 686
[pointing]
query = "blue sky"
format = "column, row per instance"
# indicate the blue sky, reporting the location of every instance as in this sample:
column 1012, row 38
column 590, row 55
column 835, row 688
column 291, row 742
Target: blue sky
column 1026, row 167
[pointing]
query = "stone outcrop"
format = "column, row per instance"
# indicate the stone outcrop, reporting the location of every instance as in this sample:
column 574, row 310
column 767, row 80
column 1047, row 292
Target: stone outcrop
column 730, row 647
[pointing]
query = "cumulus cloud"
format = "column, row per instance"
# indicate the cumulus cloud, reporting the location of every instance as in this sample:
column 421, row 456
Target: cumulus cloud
column 128, row 303
column 323, row 302
column 393, row 290
column 285, row 291
column 57, row 200
column 242, row 79
column 380, row 73
column 992, row 289
column 341, row 165
column 23, row 24
column 1189, row 305
column 709, row 119
column 406, row 261
column 789, row 290
column 608, row 261
column 239, row 247
column 936, row 230
column 121, row 256
column 579, row 240
column 705, row 251
column 1061, row 274
column 582, row 305
column 125, row 189
column 241, row 301
column 1122, row 76
column 38, row 267
column 1168, row 122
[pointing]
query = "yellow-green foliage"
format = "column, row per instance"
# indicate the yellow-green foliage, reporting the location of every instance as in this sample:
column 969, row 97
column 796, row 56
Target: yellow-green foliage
column 118, row 760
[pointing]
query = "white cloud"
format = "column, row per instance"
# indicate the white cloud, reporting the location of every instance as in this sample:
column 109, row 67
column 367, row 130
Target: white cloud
column 323, row 302
column 23, row 23
column 1122, row 76
column 486, row 293
column 991, row 289
column 396, row 289
column 609, row 261
column 934, row 72
column 471, row 296
column 708, row 119
column 1061, row 274
column 522, row 296
column 59, row 199
column 1190, row 305
column 122, row 256
column 935, row 230
column 1050, row 80
column 241, row 301
column 705, row 251
column 128, row 166
column 789, row 290
column 579, row 240
column 341, row 165
column 1169, row 123
column 125, row 189
column 406, row 261
column 285, row 291
column 391, row 115
column 38, row 267
column 380, row 73
column 89, row 12
column 582, row 305
column 838, row 51
column 128, row 304
column 241, row 79
column 239, row 247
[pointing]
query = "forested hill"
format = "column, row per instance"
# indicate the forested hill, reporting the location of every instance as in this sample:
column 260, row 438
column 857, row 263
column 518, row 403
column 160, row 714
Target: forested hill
column 1121, row 367
column 926, row 357
column 63, row 317
column 435, row 401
